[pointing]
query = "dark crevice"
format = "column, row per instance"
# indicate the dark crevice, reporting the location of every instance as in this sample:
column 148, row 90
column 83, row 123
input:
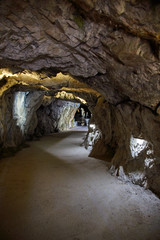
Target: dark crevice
column 155, row 48
column 3, row 82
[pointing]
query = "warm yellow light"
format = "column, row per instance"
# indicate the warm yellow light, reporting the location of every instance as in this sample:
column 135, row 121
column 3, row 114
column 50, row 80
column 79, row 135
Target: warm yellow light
column 81, row 100
column 4, row 72
column 65, row 84
column 69, row 96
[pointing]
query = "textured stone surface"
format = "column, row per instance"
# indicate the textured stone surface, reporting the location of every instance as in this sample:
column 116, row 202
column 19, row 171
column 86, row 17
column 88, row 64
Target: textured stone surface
column 56, row 116
column 8, row 126
column 114, row 46
column 17, row 117
column 111, row 46
column 130, row 136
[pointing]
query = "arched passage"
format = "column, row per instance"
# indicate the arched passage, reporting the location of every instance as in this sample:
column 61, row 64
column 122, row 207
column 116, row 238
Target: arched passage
column 103, row 52
column 22, row 94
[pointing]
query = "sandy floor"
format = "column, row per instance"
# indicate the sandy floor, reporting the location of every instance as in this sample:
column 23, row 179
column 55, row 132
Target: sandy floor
column 53, row 191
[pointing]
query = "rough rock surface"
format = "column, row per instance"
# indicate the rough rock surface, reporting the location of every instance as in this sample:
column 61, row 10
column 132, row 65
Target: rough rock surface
column 129, row 133
column 8, row 126
column 17, row 117
column 56, row 116
column 111, row 46
column 114, row 46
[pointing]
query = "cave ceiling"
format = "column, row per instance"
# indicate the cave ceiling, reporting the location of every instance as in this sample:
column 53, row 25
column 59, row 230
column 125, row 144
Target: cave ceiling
column 109, row 46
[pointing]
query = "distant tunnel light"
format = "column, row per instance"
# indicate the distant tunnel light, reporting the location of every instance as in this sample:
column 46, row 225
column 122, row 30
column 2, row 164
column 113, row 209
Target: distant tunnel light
column 19, row 112
column 69, row 96
column 93, row 126
column 137, row 145
column 4, row 72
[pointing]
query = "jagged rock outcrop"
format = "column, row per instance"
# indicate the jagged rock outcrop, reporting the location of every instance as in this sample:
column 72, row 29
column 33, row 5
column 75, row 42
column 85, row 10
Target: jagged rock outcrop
column 113, row 46
column 8, row 126
column 129, row 141
column 28, row 91
column 55, row 116
column 17, row 117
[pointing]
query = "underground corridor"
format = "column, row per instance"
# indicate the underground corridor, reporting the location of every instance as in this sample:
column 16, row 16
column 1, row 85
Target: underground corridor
column 79, row 120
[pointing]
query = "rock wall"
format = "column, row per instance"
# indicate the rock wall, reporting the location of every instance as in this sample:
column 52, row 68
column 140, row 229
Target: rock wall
column 130, row 142
column 10, row 133
column 28, row 103
column 17, row 118
column 111, row 45
column 55, row 116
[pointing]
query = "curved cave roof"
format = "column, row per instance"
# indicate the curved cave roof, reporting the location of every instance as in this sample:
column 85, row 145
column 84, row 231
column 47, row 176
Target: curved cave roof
column 111, row 46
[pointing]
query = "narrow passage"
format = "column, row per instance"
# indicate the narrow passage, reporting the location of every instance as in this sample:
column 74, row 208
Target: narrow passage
column 53, row 191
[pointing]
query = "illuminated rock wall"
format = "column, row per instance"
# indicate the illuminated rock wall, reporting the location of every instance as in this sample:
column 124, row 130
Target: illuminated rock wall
column 17, row 118
column 130, row 136
column 56, row 116
column 10, row 133
column 111, row 45
column 24, row 110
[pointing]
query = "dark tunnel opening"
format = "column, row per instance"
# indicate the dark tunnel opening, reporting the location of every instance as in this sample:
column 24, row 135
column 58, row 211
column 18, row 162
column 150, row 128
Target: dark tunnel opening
column 82, row 115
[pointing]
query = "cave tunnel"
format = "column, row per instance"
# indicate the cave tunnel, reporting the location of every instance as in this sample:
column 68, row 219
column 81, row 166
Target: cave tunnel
column 79, row 120
column 82, row 115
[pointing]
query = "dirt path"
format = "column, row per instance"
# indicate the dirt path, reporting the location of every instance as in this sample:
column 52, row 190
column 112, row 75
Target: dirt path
column 53, row 191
